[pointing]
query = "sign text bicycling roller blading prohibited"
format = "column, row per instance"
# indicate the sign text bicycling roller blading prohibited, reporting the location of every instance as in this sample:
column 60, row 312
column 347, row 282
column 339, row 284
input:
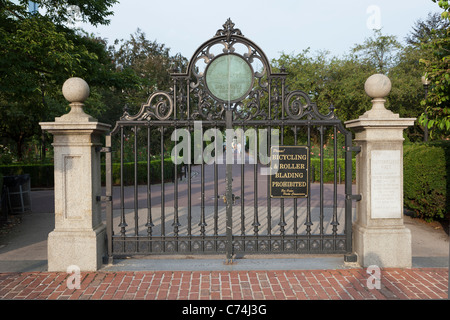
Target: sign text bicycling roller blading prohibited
column 289, row 172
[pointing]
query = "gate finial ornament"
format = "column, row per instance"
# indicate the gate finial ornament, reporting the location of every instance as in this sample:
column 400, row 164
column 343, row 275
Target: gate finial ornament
column 378, row 86
column 76, row 91
column 228, row 30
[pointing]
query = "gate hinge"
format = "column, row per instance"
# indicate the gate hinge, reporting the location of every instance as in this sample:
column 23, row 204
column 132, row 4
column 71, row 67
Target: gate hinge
column 356, row 197
column 356, row 149
column 103, row 149
column 104, row 198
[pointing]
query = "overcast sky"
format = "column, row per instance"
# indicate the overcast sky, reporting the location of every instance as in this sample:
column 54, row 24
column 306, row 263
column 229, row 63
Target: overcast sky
column 274, row 25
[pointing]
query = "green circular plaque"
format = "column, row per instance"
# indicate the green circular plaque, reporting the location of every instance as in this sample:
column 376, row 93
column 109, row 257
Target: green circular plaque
column 229, row 78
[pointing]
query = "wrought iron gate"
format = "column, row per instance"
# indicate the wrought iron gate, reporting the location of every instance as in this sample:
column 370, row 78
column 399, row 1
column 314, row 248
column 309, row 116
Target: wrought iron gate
column 225, row 205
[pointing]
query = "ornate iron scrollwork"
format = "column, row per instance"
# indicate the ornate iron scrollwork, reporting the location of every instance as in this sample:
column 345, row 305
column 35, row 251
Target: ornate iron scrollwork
column 228, row 40
column 194, row 100
column 298, row 104
column 264, row 101
column 159, row 105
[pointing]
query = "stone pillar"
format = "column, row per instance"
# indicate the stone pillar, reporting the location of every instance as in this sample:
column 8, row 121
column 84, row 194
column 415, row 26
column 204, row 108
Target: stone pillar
column 79, row 234
column 379, row 235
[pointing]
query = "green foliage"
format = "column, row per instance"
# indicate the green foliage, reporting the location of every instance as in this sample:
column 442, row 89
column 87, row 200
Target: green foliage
column 407, row 89
column 340, row 80
column 150, row 61
column 426, row 179
column 39, row 52
column 379, row 51
column 438, row 73
column 155, row 172
column 42, row 175
column 329, row 80
column 328, row 170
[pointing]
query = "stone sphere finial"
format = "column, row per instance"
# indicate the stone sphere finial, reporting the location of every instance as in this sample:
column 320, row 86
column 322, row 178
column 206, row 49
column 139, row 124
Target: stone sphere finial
column 75, row 90
column 377, row 86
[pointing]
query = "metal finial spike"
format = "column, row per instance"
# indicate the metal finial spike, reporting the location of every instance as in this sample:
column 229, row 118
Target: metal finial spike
column 228, row 30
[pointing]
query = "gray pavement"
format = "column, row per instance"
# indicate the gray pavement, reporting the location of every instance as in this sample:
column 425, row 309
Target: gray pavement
column 24, row 249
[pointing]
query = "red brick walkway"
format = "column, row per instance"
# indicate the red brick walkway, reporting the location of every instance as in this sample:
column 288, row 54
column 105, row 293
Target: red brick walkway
column 346, row 284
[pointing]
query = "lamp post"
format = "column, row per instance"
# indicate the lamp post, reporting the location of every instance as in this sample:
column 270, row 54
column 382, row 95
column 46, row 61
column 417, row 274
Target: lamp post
column 425, row 83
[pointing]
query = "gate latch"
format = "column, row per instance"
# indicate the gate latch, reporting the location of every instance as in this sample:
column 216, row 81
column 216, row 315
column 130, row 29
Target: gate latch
column 356, row 197
column 103, row 149
column 103, row 198
column 356, row 149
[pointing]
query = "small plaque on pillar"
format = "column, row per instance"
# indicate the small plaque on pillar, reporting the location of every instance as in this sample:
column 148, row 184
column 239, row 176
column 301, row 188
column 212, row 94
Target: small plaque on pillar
column 386, row 202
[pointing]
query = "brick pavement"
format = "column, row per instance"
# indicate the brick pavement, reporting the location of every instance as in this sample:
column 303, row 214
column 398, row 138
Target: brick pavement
column 345, row 284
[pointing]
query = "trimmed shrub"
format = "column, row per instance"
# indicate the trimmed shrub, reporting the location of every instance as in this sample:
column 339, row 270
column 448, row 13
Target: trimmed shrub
column 42, row 175
column 426, row 176
column 328, row 169
column 155, row 172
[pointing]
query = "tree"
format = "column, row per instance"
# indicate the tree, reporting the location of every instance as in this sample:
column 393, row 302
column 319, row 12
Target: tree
column 39, row 52
column 329, row 81
column 437, row 68
column 425, row 31
column 150, row 61
column 378, row 51
column 340, row 81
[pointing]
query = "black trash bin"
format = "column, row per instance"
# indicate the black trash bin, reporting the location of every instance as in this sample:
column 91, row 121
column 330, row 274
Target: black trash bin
column 18, row 193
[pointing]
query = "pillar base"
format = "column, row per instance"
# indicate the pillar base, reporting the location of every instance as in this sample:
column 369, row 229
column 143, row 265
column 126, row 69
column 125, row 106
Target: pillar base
column 83, row 248
column 385, row 247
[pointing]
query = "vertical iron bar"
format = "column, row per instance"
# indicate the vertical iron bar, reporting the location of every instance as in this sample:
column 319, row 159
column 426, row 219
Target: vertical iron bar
column 189, row 213
column 242, row 159
column 176, row 222
column 188, row 104
column 308, row 222
column 189, row 209
column 269, row 140
column 282, row 223
column 175, row 100
column 256, row 223
column 216, row 191
column 335, row 222
column 229, row 194
column 295, row 200
column 122, row 224
column 136, row 210
column 149, row 223
column 202, row 223
column 109, row 204
column 163, row 218
column 321, row 185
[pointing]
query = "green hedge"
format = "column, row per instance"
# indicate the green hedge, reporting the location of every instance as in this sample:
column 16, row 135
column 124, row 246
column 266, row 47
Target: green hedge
column 42, row 175
column 426, row 179
column 328, row 169
column 155, row 172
